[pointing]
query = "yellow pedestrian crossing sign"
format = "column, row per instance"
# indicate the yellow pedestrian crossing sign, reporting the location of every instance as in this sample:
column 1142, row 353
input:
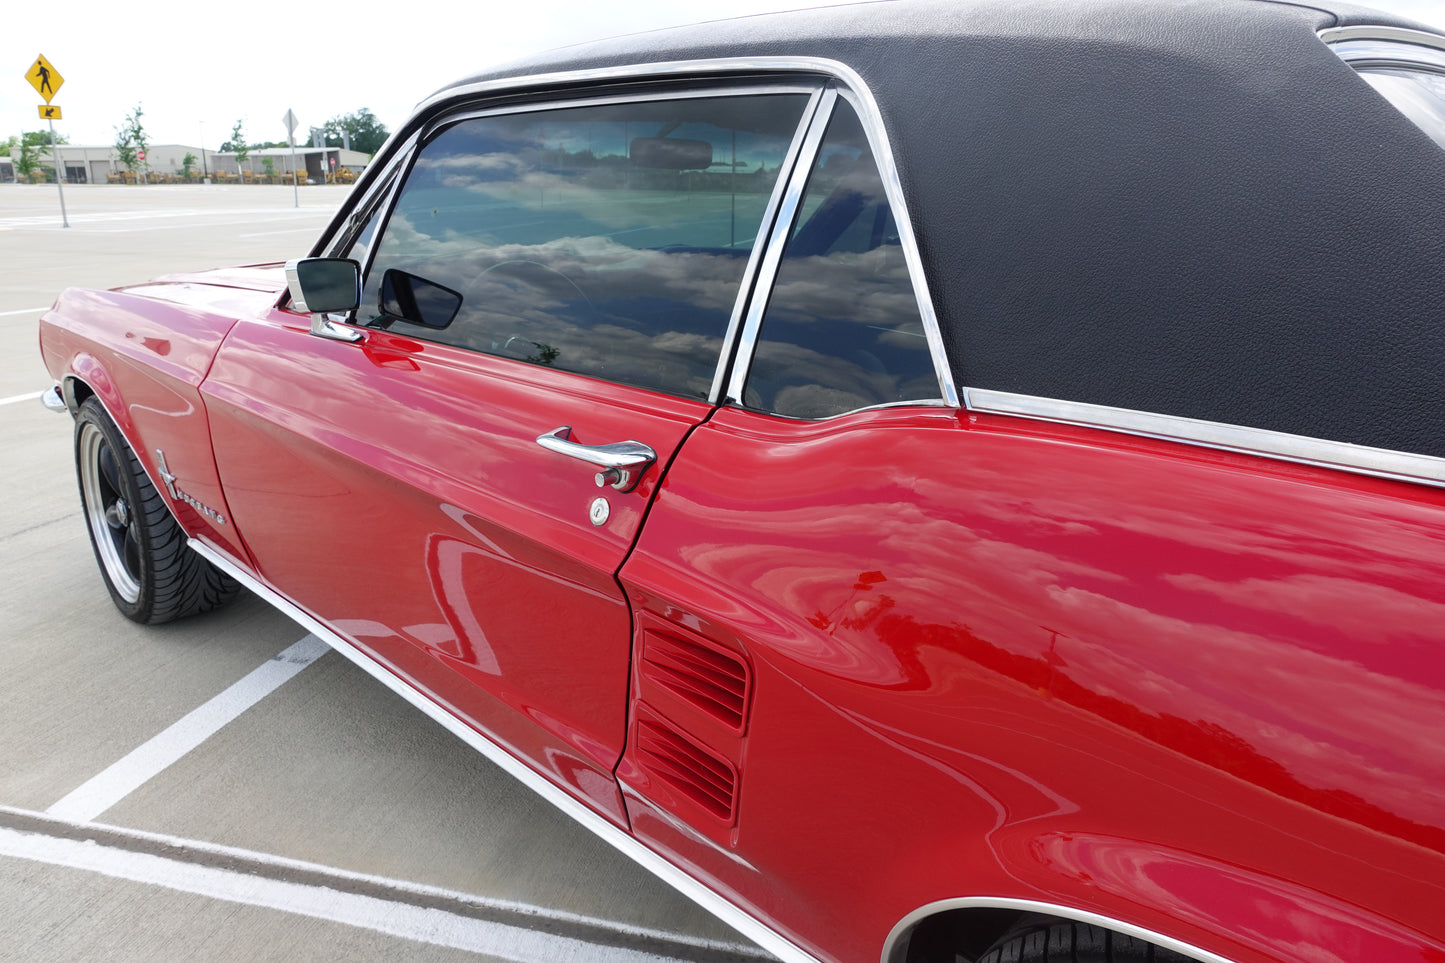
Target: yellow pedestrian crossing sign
column 44, row 78
column 47, row 112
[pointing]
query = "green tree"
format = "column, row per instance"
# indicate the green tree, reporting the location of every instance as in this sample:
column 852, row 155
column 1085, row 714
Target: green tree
column 366, row 133
column 237, row 145
column 41, row 138
column 33, row 147
column 28, row 163
column 131, row 141
column 188, row 165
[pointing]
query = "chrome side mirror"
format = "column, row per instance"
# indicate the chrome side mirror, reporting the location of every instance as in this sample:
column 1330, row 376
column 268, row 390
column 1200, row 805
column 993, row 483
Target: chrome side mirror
column 322, row 285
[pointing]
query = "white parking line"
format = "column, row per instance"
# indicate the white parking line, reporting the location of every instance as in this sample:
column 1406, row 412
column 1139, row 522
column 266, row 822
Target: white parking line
column 6, row 314
column 403, row 920
column 15, row 399
column 148, row 760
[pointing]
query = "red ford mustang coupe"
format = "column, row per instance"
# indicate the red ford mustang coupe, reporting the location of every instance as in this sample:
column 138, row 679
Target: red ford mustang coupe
column 931, row 481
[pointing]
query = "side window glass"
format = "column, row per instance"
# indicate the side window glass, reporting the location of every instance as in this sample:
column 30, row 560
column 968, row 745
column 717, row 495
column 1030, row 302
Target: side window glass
column 606, row 240
column 842, row 329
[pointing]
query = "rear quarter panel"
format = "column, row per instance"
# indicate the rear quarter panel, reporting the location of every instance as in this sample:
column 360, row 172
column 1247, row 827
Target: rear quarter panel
column 1193, row 691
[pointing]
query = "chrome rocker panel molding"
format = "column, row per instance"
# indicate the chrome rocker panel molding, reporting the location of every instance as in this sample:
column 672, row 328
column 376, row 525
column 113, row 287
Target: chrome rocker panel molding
column 754, row 930
column 1317, row 452
column 896, row 948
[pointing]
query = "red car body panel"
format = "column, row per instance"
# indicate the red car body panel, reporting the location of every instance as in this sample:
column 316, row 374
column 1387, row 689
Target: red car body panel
column 855, row 672
column 1085, row 666
column 144, row 351
column 395, row 490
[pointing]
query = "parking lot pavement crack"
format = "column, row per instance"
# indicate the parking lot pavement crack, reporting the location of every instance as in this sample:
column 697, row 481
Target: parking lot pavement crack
column 67, row 519
column 514, row 931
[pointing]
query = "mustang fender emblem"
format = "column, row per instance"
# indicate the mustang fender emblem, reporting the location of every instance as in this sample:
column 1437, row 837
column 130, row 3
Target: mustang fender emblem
column 170, row 479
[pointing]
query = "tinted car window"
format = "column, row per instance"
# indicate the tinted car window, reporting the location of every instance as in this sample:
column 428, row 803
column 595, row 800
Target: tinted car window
column 842, row 328
column 606, row 240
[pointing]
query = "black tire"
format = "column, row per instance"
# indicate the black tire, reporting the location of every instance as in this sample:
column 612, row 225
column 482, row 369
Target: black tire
column 1063, row 941
column 151, row 573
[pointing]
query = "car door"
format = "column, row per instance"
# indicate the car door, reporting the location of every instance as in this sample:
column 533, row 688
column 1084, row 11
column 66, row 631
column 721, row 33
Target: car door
column 542, row 283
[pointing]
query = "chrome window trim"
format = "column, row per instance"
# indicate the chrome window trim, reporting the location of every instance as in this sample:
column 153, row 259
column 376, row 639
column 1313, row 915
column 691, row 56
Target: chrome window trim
column 863, row 105
column 636, row 96
column 860, row 96
column 380, row 199
column 861, row 100
column 1338, row 37
column 777, row 240
column 1388, row 55
column 616, row 837
column 1299, row 449
column 342, row 224
column 767, row 231
column 938, row 403
column 673, row 69
column 895, row 948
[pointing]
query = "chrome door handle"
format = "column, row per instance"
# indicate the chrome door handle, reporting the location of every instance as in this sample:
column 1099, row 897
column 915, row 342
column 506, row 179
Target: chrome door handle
column 622, row 462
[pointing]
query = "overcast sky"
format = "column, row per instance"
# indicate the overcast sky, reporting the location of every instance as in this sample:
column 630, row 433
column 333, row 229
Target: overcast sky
column 198, row 67
column 194, row 64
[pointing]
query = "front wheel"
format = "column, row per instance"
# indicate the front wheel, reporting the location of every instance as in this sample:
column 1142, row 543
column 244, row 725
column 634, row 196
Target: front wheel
column 152, row 575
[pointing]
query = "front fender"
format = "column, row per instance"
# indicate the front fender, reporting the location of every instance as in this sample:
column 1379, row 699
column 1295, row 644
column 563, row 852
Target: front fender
column 144, row 360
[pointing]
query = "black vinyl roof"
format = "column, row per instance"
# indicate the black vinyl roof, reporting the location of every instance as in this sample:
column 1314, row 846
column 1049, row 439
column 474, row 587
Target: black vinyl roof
column 1193, row 208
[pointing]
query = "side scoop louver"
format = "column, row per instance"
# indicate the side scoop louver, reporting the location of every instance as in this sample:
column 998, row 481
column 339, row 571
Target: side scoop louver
column 706, row 780
column 708, row 679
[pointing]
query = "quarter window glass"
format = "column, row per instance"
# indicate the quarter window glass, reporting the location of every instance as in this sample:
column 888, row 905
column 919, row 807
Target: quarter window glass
column 842, row 328
column 1418, row 94
column 609, row 241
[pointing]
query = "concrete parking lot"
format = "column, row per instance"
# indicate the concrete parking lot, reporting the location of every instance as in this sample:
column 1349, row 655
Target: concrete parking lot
column 225, row 787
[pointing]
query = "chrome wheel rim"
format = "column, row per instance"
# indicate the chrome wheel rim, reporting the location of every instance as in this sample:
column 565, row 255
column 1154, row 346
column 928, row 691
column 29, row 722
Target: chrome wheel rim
column 113, row 523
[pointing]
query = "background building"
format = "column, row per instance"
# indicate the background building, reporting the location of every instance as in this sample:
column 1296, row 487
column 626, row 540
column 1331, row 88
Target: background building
column 98, row 164
column 314, row 162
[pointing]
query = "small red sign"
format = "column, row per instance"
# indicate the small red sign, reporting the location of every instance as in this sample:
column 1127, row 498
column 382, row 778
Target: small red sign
column 140, row 155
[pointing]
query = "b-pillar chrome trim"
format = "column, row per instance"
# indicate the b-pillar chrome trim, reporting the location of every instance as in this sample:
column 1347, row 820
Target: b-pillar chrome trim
column 754, row 930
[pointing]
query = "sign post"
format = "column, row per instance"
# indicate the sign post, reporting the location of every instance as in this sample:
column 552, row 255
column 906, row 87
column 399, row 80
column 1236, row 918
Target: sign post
column 47, row 80
column 290, row 121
